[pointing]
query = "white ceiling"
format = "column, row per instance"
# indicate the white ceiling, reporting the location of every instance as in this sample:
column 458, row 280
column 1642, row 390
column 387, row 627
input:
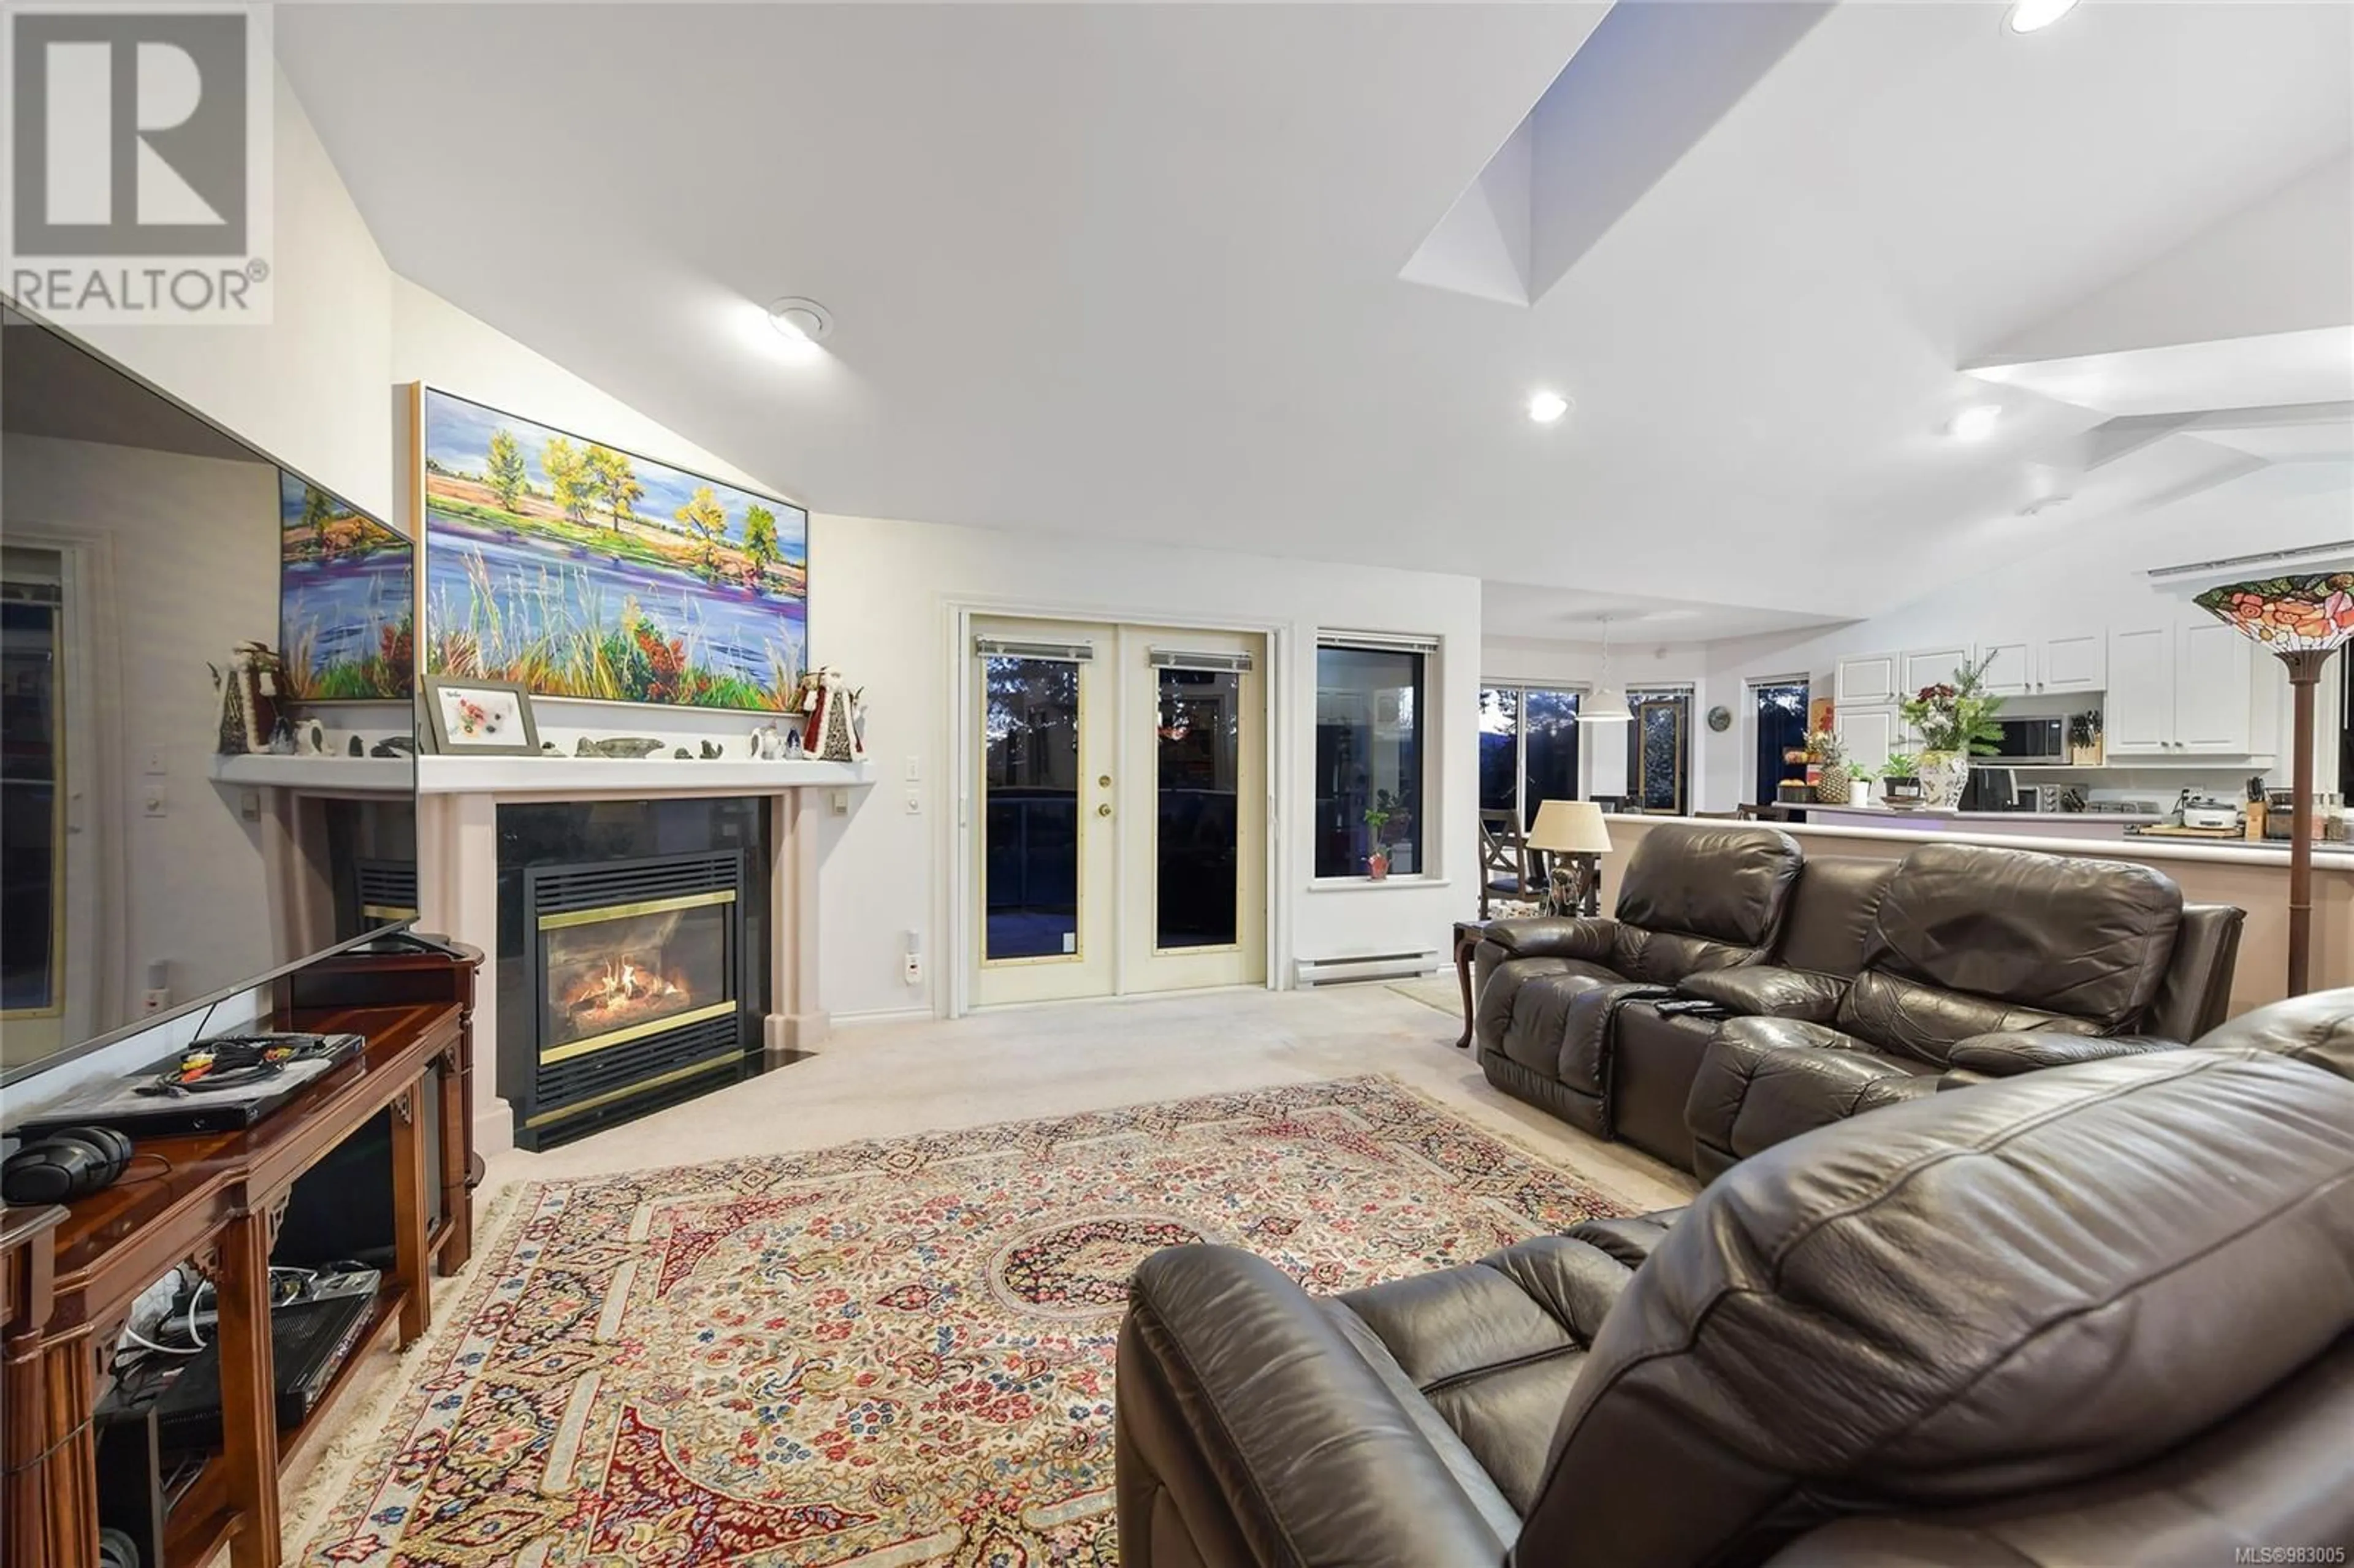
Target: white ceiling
column 1132, row 271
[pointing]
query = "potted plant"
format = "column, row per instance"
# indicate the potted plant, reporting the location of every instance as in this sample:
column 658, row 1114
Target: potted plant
column 2084, row 738
column 1954, row 719
column 1834, row 781
column 1378, row 816
column 1900, row 778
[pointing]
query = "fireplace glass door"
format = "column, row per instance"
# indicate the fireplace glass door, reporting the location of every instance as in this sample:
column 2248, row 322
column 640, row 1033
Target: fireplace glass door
column 624, row 971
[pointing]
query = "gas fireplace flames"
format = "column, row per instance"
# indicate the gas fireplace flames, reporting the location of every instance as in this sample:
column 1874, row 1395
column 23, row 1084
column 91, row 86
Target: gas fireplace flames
column 620, row 991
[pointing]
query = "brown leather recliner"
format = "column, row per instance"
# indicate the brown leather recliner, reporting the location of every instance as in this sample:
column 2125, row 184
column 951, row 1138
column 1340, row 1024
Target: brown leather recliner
column 1977, row 1329
column 1690, row 899
column 1979, row 962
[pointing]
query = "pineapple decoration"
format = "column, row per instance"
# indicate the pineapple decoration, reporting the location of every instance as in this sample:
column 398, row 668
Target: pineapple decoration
column 1834, row 783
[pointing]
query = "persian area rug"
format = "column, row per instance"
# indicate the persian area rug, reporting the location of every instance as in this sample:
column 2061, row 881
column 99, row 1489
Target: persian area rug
column 897, row 1351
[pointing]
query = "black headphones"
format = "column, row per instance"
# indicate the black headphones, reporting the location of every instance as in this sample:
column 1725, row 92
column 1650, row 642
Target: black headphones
column 69, row 1163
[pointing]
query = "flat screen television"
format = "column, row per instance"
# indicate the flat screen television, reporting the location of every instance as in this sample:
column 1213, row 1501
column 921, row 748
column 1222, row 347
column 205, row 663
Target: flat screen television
column 149, row 873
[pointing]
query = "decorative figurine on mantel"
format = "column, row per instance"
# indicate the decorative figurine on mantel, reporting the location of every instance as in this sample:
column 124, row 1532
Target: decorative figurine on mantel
column 625, row 748
column 768, row 743
column 832, row 730
column 249, row 706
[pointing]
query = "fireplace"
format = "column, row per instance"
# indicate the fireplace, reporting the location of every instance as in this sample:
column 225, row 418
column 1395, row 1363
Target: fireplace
column 638, row 989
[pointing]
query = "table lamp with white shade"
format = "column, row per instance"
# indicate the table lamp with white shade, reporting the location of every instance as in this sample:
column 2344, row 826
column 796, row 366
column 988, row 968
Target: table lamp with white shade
column 1575, row 835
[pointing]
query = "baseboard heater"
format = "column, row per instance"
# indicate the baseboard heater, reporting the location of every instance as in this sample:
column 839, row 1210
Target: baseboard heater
column 1364, row 967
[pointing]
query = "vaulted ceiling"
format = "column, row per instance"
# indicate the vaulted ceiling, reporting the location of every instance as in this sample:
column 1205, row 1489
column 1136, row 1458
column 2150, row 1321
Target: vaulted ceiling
column 1134, row 273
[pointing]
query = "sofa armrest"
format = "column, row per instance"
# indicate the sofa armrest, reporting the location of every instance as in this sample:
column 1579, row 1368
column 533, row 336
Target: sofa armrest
column 1242, row 1407
column 1766, row 1080
column 1768, row 991
column 1584, row 937
column 2010, row 1052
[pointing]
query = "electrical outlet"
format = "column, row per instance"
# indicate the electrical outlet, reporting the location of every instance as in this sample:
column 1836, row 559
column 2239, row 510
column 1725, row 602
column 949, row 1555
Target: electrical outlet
column 840, row 800
column 155, row 999
column 154, row 802
column 914, row 970
column 915, row 802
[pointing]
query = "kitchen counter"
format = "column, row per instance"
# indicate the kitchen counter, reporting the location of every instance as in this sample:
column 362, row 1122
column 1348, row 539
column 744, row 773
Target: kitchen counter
column 2006, row 824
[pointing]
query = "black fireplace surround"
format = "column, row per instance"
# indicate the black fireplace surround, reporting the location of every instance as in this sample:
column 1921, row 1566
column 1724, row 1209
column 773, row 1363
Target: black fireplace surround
column 631, row 966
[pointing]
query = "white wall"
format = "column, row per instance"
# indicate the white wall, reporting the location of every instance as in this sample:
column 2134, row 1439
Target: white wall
column 880, row 609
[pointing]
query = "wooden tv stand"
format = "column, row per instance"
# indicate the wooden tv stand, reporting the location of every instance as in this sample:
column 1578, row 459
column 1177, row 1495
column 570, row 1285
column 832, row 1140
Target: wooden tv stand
column 218, row 1204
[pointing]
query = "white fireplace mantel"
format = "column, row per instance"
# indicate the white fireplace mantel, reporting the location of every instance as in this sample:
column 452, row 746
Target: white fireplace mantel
column 458, row 800
column 578, row 777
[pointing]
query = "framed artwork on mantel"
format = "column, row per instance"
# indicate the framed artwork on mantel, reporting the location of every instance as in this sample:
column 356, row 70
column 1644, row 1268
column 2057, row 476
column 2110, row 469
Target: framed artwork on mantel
column 575, row 568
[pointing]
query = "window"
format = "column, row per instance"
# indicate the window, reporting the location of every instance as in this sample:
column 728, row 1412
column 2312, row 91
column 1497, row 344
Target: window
column 1368, row 757
column 1781, row 715
column 1528, row 749
column 1658, row 751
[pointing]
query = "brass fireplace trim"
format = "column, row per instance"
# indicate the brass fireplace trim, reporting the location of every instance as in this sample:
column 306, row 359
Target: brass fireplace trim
column 387, row 912
column 611, row 1037
column 625, row 911
column 733, row 1058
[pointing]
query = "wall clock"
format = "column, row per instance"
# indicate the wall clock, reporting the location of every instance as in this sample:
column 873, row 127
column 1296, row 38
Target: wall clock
column 1719, row 719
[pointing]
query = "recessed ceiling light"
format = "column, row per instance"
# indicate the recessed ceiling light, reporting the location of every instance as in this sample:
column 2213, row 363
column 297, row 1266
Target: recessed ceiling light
column 802, row 323
column 1975, row 423
column 1544, row 408
column 2034, row 15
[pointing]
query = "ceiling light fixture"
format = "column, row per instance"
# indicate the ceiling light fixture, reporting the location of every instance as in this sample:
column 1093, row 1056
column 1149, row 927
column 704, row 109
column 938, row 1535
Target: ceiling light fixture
column 1975, row 423
column 1545, row 407
column 802, row 323
column 1605, row 703
column 2034, row 15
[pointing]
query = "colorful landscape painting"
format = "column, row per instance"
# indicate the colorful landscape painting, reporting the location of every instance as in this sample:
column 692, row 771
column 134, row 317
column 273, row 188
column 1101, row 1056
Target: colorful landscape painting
column 581, row 571
column 346, row 599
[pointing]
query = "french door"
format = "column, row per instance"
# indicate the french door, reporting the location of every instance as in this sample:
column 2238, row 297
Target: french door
column 1120, row 842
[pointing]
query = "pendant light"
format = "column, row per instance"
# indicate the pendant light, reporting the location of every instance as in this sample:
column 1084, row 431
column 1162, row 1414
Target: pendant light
column 1605, row 703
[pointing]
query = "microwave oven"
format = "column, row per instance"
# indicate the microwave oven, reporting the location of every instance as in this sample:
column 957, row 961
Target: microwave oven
column 2024, row 741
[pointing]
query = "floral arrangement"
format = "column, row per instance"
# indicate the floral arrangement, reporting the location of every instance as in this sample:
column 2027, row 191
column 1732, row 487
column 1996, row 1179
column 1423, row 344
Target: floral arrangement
column 1957, row 717
column 2313, row 610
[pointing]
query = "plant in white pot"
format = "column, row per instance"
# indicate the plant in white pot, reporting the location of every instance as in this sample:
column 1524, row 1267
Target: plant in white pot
column 1954, row 719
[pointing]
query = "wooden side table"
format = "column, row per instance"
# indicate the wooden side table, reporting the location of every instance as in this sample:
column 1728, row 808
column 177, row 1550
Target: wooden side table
column 1467, row 942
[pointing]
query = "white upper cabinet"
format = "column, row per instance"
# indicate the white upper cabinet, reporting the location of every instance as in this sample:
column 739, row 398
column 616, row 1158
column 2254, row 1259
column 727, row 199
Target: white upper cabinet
column 1930, row 667
column 2214, row 697
column 2011, row 668
column 1866, row 678
column 2139, row 716
column 1868, row 734
column 2185, row 688
column 2078, row 663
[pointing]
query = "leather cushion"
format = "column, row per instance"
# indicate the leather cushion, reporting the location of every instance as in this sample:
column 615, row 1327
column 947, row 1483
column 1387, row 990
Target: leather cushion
column 2317, row 1028
column 1494, row 1346
column 1665, row 957
column 1831, row 911
column 1905, row 1017
column 2089, row 939
column 1727, row 883
column 1817, row 1336
column 1768, row 991
column 1537, row 1010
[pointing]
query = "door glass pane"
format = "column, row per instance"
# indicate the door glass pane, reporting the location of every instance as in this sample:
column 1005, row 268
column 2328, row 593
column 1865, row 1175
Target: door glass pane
column 28, row 797
column 1551, row 720
column 1031, row 812
column 1198, row 827
column 1658, row 778
column 1368, row 758
column 1500, row 744
column 1781, row 726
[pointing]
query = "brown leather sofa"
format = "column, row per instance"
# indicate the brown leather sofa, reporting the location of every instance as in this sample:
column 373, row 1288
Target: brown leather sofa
column 1977, row 962
column 1690, row 900
column 2028, row 1325
column 1593, row 1021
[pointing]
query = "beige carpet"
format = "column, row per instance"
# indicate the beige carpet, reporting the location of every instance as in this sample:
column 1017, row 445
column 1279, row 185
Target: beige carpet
column 898, row 1350
column 1444, row 992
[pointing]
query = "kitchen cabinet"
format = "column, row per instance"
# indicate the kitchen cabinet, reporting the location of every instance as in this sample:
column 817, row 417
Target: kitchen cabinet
column 2214, row 707
column 2011, row 668
column 1868, row 734
column 1930, row 667
column 2185, row 688
column 1866, row 678
column 2137, row 718
column 2078, row 663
